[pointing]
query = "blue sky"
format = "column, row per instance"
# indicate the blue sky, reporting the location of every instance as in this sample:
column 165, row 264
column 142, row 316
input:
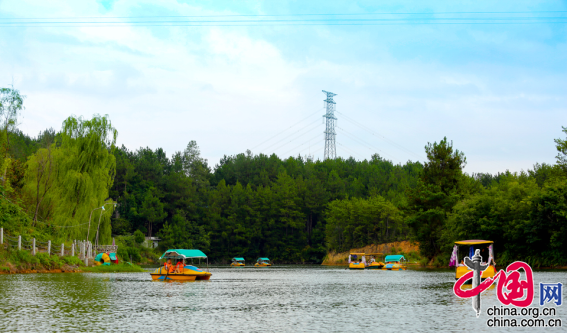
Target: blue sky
column 498, row 91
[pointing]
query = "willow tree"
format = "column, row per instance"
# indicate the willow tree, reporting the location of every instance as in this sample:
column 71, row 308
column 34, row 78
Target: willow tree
column 85, row 176
column 40, row 180
column 11, row 104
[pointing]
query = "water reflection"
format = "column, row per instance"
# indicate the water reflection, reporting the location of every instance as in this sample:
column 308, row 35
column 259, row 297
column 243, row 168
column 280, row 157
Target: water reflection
column 277, row 299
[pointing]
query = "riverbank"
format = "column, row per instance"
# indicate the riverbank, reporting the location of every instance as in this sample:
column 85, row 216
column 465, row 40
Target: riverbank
column 406, row 248
column 23, row 262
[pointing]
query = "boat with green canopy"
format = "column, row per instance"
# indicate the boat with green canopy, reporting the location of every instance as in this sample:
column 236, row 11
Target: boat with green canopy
column 395, row 262
column 238, row 262
column 262, row 262
column 178, row 266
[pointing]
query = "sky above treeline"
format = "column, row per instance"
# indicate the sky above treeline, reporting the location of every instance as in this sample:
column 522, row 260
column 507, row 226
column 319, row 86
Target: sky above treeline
column 238, row 75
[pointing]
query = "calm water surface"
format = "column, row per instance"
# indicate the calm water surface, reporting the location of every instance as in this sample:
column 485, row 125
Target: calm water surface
column 275, row 299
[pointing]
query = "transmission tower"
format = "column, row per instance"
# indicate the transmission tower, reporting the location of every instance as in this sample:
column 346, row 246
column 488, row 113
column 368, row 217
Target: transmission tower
column 330, row 119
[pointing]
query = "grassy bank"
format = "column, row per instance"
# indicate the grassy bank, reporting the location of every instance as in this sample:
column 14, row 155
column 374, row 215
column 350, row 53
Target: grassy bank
column 120, row 268
column 22, row 261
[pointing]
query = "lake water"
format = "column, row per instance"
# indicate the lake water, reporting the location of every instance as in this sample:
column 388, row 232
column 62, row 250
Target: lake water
column 274, row 299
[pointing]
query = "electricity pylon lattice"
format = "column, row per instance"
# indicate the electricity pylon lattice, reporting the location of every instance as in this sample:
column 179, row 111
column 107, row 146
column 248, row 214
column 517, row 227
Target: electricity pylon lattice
column 330, row 119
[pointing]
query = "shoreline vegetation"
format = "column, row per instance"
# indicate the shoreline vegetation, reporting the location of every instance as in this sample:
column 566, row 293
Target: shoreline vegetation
column 23, row 262
column 78, row 184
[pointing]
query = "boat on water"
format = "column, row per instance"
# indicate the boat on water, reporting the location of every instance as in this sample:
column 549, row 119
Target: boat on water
column 238, row 262
column 373, row 262
column 356, row 261
column 177, row 267
column 395, row 262
column 262, row 262
column 106, row 258
column 468, row 248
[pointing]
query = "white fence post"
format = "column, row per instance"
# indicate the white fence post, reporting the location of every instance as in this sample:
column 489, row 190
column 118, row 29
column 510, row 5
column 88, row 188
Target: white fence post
column 48, row 247
column 33, row 247
column 20, row 242
column 62, row 249
column 73, row 249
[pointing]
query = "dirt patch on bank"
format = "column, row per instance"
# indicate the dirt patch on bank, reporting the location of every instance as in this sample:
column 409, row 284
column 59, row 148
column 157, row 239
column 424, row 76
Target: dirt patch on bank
column 11, row 269
column 340, row 259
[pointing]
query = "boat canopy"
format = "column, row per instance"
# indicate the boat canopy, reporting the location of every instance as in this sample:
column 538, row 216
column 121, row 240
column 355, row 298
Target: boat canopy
column 183, row 254
column 474, row 242
column 357, row 254
column 264, row 259
column 394, row 257
column 238, row 259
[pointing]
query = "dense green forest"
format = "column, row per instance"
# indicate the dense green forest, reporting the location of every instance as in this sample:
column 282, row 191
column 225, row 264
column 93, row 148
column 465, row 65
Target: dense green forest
column 291, row 210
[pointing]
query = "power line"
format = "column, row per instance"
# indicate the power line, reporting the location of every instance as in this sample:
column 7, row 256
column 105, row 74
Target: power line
column 302, row 144
column 354, row 152
column 288, row 137
column 368, row 146
column 296, row 138
column 341, row 20
column 284, row 15
column 286, row 129
column 378, row 135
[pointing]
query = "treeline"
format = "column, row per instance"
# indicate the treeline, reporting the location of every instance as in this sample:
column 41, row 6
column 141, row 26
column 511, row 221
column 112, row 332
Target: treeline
column 291, row 210
column 249, row 205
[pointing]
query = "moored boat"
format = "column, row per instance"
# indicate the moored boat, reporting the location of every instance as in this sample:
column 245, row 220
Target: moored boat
column 356, row 260
column 237, row 262
column 395, row 262
column 262, row 262
column 468, row 247
column 177, row 268
column 373, row 262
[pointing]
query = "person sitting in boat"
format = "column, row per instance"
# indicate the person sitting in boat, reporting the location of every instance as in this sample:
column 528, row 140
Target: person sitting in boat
column 168, row 265
column 372, row 259
column 179, row 267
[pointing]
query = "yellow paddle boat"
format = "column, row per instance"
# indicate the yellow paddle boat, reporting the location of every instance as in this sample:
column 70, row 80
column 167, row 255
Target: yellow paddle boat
column 177, row 268
column 373, row 263
column 468, row 247
column 395, row 262
column 356, row 260
column 238, row 262
column 262, row 262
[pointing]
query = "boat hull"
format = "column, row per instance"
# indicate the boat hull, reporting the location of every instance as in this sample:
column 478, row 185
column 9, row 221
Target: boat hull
column 173, row 277
column 356, row 265
column 262, row 265
column 190, row 273
column 394, row 267
column 237, row 265
column 488, row 273
column 376, row 265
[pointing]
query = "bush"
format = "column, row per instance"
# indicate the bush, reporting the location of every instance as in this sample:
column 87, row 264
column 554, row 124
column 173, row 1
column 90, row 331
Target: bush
column 73, row 261
column 122, row 253
column 21, row 257
column 47, row 261
column 139, row 237
column 134, row 253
